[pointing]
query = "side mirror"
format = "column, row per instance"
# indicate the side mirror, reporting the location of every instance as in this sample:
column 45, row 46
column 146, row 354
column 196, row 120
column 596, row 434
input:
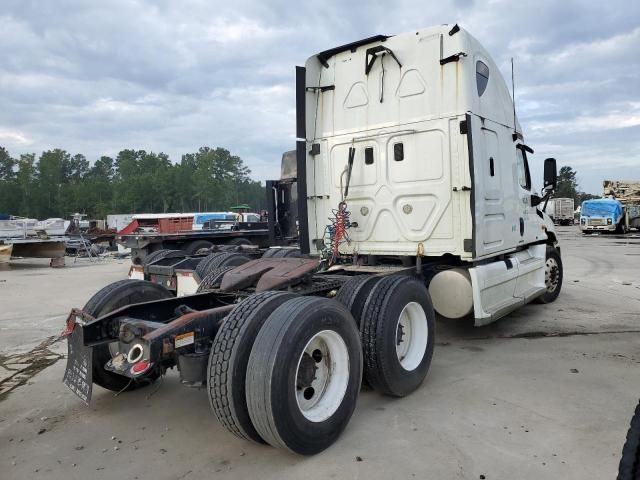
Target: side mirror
column 535, row 200
column 550, row 173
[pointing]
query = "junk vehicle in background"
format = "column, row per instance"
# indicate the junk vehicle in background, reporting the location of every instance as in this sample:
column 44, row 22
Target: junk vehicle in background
column 627, row 192
column 560, row 210
column 197, row 233
column 414, row 197
column 32, row 238
column 151, row 232
column 89, row 236
column 601, row 215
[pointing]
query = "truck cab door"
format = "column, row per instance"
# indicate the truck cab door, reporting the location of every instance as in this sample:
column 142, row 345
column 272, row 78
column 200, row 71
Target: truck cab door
column 528, row 225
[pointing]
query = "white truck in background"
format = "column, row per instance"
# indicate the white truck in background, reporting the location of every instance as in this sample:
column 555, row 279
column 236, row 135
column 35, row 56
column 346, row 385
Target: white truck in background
column 561, row 210
column 414, row 195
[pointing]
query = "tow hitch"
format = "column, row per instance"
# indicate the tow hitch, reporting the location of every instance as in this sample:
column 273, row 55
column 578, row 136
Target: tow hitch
column 143, row 346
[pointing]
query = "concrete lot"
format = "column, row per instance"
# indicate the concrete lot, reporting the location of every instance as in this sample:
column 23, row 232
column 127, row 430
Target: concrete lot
column 545, row 393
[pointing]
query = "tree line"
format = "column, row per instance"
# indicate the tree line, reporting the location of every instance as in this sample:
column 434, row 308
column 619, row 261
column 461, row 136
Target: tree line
column 568, row 186
column 58, row 184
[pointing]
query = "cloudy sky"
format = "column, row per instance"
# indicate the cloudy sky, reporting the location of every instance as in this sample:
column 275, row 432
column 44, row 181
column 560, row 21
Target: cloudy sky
column 96, row 77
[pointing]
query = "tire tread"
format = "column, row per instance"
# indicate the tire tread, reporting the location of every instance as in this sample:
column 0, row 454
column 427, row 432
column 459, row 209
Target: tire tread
column 220, row 370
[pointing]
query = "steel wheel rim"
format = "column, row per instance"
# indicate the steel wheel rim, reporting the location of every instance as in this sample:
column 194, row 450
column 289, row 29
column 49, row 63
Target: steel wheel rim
column 322, row 378
column 551, row 274
column 412, row 335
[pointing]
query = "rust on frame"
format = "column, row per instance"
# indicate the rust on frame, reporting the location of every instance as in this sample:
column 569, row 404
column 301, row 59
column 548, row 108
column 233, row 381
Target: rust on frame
column 180, row 323
column 268, row 273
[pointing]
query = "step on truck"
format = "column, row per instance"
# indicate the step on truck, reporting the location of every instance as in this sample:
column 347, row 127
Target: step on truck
column 415, row 197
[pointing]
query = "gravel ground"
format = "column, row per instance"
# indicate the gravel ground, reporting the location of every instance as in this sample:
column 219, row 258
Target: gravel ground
column 546, row 392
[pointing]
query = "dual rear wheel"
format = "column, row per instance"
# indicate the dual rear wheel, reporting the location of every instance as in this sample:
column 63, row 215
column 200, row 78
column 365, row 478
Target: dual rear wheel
column 286, row 370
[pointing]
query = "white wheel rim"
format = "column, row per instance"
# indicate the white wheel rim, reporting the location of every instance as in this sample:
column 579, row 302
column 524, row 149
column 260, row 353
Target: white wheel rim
column 412, row 334
column 322, row 378
column 551, row 274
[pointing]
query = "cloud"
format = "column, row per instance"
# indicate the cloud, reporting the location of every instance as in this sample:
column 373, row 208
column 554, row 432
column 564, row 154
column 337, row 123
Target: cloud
column 97, row 77
column 13, row 137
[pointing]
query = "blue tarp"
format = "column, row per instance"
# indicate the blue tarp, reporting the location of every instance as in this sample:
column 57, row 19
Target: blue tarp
column 603, row 207
column 200, row 218
column 4, row 216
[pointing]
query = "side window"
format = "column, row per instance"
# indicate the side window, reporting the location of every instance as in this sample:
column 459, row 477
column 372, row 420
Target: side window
column 524, row 177
column 482, row 77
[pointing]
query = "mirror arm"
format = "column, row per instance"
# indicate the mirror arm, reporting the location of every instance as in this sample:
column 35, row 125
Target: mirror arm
column 546, row 198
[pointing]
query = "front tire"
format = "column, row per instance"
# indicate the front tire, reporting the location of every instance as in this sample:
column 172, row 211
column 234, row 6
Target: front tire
column 304, row 375
column 553, row 276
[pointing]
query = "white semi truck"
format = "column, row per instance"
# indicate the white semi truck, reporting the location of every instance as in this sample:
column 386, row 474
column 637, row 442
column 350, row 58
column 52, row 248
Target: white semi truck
column 561, row 210
column 414, row 195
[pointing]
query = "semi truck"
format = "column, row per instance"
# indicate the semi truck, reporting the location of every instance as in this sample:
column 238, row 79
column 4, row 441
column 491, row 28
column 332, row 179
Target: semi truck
column 560, row 210
column 601, row 215
column 414, row 197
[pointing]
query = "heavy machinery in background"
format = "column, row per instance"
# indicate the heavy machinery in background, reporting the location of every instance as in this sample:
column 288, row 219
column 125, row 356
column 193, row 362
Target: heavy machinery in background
column 414, row 196
column 627, row 192
column 560, row 210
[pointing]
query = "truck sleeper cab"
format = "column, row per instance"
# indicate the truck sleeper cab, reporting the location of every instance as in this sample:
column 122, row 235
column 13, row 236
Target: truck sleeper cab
column 423, row 123
column 413, row 193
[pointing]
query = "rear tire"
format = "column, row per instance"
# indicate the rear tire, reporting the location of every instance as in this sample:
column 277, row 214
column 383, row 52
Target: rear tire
column 213, row 279
column 304, row 374
column 354, row 292
column 198, row 247
column 239, row 241
column 228, row 260
column 160, row 254
column 286, row 253
column 553, row 276
column 229, row 358
column 108, row 299
column 398, row 335
column 270, row 252
column 204, row 267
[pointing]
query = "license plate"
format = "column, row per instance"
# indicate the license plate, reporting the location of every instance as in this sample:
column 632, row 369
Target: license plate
column 78, row 374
